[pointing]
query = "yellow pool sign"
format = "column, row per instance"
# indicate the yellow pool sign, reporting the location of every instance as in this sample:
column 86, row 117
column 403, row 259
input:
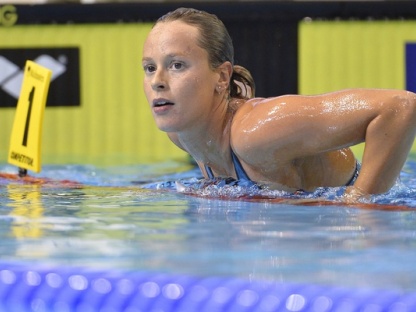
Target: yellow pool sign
column 26, row 137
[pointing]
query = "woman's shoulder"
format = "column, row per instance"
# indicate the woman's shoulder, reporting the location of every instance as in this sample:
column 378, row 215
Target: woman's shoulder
column 265, row 102
column 243, row 106
column 256, row 106
column 246, row 125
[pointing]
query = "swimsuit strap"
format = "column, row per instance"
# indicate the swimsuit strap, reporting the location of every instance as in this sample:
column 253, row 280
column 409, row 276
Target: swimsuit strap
column 355, row 175
column 209, row 172
column 239, row 170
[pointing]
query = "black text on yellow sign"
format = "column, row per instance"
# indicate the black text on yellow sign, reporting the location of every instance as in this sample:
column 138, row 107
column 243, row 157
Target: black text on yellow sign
column 25, row 143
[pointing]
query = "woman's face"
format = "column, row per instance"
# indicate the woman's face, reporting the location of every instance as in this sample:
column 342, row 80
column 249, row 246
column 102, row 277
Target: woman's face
column 179, row 83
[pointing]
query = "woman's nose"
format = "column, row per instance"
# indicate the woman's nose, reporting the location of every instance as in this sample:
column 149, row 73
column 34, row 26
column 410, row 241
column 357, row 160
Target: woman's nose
column 159, row 81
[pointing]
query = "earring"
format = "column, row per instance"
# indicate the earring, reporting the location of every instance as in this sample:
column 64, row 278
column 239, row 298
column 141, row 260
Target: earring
column 219, row 89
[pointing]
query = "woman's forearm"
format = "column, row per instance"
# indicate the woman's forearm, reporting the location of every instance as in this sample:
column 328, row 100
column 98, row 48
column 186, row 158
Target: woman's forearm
column 389, row 138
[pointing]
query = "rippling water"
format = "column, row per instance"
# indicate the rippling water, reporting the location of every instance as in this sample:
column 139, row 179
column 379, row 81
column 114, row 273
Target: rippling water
column 133, row 218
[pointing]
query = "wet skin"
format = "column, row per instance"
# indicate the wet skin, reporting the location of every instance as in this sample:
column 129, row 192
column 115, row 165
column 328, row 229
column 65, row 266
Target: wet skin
column 289, row 142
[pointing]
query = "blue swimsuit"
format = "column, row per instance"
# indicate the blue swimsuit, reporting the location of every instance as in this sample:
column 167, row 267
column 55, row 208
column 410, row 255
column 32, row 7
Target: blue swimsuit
column 239, row 170
column 242, row 175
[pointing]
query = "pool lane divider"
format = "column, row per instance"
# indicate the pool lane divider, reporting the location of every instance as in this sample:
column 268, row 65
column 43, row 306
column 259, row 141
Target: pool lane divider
column 31, row 287
column 29, row 180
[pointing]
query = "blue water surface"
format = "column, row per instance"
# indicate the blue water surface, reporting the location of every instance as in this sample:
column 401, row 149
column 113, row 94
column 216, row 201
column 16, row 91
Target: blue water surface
column 133, row 218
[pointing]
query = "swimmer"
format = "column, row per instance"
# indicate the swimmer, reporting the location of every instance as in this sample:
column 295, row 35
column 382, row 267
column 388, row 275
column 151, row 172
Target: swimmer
column 206, row 105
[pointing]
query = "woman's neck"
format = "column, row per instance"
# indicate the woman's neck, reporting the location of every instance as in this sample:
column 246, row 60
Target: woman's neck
column 209, row 143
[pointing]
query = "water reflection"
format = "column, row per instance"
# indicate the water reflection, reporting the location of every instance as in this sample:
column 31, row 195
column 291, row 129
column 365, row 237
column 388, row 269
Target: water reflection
column 161, row 230
column 26, row 209
column 329, row 244
column 124, row 226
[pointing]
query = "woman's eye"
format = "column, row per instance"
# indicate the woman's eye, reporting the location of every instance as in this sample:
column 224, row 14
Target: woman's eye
column 176, row 65
column 149, row 68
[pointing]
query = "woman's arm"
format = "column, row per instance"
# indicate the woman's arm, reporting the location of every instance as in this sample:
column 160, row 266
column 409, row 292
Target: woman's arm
column 292, row 127
column 388, row 139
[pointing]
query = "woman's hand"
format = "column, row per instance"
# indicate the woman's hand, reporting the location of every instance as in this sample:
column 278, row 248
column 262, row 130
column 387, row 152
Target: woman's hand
column 354, row 195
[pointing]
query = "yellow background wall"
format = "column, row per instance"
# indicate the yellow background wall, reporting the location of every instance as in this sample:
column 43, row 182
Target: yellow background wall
column 113, row 125
column 353, row 54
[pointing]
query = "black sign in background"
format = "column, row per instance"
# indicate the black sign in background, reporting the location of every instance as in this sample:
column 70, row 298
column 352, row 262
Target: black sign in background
column 64, row 90
column 411, row 67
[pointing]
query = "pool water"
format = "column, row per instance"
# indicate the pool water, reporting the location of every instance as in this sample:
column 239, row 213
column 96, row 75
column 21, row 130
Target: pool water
column 132, row 218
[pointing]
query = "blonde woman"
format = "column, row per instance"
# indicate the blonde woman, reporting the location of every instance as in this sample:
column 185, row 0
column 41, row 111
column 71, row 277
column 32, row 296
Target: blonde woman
column 206, row 105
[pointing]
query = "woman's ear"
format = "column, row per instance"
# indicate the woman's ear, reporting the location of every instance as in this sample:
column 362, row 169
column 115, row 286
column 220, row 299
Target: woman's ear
column 225, row 70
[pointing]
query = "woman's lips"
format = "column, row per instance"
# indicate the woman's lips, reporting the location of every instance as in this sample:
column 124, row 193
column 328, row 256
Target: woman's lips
column 161, row 102
column 161, row 105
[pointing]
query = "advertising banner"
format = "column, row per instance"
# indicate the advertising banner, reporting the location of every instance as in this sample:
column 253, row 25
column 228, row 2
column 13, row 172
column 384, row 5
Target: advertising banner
column 96, row 111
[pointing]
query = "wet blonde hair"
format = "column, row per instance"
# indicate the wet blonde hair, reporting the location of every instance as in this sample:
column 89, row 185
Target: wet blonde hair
column 215, row 39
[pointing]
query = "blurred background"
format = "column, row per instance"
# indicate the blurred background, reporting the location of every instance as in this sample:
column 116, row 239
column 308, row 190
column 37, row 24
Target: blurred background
column 96, row 110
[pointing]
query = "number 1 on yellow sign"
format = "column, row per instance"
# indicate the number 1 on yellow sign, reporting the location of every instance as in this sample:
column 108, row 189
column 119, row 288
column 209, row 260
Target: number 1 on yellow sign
column 26, row 138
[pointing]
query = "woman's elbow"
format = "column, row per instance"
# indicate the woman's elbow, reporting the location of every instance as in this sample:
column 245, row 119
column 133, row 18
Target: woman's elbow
column 411, row 103
column 405, row 106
